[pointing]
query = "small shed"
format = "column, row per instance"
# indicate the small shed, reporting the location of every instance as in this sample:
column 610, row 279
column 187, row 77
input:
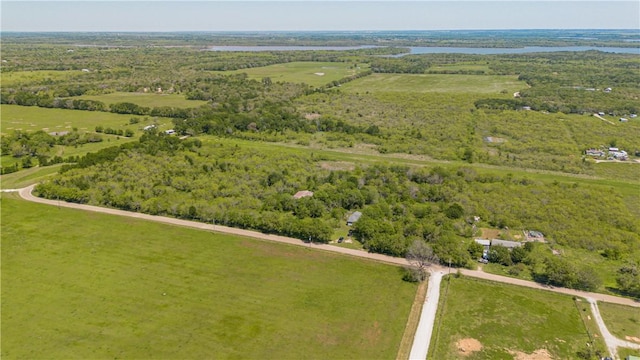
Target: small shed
column 354, row 218
column 303, row 193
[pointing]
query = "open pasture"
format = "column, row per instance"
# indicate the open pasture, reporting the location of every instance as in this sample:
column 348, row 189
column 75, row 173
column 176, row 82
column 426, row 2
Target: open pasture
column 145, row 99
column 426, row 83
column 469, row 67
column 15, row 78
column 32, row 118
column 622, row 321
column 312, row 73
column 498, row 321
column 84, row 285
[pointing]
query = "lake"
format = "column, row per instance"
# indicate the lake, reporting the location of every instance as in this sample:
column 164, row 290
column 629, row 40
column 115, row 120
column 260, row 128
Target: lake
column 436, row 50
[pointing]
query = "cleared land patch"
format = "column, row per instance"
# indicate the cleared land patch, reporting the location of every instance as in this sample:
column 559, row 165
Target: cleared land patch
column 506, row 320
column 16, row 78
column 312, row 73
column 32, row 118
column 145, row 99
column 425, row 83
column 622, row 321
column 88, row 285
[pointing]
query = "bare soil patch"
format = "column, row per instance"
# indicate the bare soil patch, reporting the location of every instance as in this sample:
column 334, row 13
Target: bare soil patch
column 468, row 346
column 311, row 116
column 632, row 338
column 540, row 354
column 496, row 140
column 337, row 165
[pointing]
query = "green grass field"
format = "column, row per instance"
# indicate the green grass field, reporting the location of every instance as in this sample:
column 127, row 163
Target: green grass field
column 10, row 79
column 624, row 352
column 504, row 319
column 84, row 285
column 32, row 118
column 461, row 67
column 145, row 99
column 621, row 320
column 312, row 73
column 426, row 83
column 27, row 177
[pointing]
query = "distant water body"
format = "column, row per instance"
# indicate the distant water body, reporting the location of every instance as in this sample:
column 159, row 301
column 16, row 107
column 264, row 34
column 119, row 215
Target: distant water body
column 524, row 50
column 288, row 48
column 437, row 50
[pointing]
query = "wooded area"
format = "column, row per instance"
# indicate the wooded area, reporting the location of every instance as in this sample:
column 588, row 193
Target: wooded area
column 469, row 113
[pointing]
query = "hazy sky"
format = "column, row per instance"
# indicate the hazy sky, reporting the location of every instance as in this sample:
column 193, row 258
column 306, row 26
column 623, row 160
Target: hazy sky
column 316, row 15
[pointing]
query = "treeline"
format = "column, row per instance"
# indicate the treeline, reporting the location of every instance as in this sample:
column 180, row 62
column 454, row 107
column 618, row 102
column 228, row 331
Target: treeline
column 26, row 98
column 242, row 187
column 409, row 64
column 484, row 38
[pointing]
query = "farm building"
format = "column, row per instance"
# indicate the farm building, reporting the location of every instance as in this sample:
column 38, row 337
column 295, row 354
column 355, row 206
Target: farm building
column 506, row 243
column 594, row 152
column 619, row 155
column 303, row 193
column 354, row 218
column 484, row 242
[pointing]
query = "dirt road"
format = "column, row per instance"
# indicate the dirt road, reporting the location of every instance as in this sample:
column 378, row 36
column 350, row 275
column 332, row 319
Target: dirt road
column 422, row 338
column 25, row 193
column 427, row 318
column 613, row 343
column 603, row 119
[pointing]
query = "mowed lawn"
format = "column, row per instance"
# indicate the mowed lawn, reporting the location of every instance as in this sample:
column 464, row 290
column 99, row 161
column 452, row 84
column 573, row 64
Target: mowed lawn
column 83, row 285
column 150, row 100
column 505, row 318
column 622, row 321
column 311, row 73
column 425, row 83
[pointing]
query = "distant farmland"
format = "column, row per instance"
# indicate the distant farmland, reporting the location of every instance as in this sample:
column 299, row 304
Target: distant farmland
column 32, row 118
column 312, row 73
column 145, row 99
column 425, row 83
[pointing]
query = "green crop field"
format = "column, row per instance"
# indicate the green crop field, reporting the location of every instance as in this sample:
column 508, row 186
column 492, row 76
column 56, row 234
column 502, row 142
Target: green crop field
column 16, row 78
column 31, row 118
column 426, row 83
column 84, row 285
column 312, row 73
column 622, row 321
column 145, row 99
column 499, row 320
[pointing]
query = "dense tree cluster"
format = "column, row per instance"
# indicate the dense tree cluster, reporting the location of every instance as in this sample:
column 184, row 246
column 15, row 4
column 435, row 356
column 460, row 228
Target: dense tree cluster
column 242, row 187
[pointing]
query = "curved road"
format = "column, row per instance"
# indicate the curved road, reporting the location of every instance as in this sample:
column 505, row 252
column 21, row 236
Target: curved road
column 427, row 318
column 612, row 342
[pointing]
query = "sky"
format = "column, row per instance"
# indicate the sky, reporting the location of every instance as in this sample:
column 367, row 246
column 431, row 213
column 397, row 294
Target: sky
column 307, row 15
